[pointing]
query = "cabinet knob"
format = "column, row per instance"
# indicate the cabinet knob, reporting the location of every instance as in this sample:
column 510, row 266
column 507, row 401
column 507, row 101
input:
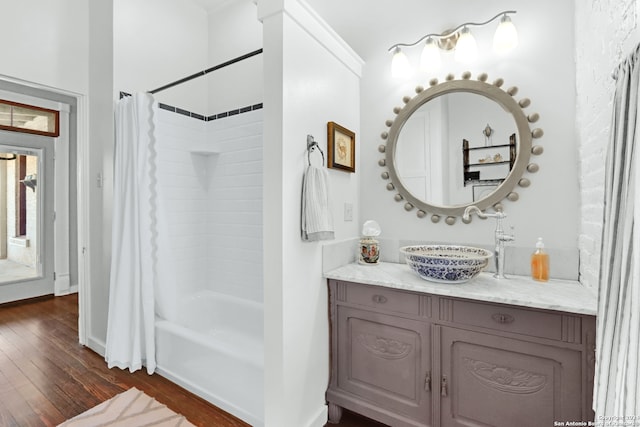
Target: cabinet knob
column 379, row 299
column 503, row 318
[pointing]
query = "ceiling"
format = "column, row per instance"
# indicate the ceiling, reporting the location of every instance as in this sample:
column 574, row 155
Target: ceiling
column 373, row 26
column 350, row 19
column 369, row 26
column 211, row 5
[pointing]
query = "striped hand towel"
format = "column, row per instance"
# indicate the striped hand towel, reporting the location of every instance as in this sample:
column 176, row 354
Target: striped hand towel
column 317, row 223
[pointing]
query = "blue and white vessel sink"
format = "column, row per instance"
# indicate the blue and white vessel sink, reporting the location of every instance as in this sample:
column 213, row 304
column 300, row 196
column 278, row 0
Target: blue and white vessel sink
column 446, row 263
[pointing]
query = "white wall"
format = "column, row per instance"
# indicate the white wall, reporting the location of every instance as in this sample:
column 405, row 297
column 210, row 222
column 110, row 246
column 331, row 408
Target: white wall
column 542, row 67
column 157, row 42
column 97, row 158
column 234, row 30
column 65, row 45
column 307, row 70
column 49, row 43
column 606, row 32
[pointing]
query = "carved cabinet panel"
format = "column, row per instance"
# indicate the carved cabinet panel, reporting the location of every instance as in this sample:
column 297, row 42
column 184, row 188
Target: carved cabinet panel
column 489, row 380
column 385, row 360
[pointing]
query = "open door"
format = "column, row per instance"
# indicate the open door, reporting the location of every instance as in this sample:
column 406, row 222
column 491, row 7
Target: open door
column 26, row 216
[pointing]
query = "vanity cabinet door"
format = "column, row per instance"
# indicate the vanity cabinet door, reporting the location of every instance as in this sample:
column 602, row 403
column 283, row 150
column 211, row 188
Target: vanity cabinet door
column 386, row 362
column 488, row 380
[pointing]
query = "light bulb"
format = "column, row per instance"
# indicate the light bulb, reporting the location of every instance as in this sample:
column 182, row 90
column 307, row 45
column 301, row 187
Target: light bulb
column 400, row 66
column 506, row 36
column 466, row 48
column 430, row 59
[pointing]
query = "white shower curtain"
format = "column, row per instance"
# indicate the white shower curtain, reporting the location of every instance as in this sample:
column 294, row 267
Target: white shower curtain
column 617, row 382
column 130, row 327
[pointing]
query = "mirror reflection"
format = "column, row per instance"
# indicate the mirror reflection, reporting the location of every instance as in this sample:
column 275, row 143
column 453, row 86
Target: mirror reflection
column 456, row 149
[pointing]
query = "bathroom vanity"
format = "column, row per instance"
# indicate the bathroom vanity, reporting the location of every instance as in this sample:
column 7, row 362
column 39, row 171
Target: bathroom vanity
column 489, row 352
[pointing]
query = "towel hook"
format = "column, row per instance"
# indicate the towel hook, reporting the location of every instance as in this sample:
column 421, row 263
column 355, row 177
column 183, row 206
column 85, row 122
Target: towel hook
column 312, row 145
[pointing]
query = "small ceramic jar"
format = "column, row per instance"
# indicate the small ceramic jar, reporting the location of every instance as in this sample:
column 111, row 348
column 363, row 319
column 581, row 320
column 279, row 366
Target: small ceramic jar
column 369, row 250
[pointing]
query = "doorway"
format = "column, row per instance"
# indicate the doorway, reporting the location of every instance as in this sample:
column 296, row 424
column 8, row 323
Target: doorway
column 71, row 193
column 26, row 216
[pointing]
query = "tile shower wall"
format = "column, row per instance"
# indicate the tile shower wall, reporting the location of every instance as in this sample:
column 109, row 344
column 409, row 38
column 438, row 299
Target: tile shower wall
column 182, row 203
column 234, row 209
column 209, row 206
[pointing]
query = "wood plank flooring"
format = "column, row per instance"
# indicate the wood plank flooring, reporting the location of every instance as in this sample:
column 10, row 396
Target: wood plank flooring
column 46, row 377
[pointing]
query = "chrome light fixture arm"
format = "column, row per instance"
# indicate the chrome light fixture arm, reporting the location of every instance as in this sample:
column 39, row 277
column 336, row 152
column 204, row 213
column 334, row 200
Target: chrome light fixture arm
column 449, row 33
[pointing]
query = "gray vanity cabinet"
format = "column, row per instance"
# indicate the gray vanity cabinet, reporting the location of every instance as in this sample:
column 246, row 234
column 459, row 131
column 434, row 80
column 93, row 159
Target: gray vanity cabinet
column 414, row 359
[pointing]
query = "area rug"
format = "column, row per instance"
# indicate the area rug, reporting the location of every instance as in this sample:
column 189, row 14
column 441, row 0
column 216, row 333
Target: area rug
column 131, row 408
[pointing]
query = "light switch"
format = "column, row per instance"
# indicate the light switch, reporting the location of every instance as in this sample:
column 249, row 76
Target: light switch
column 348, row 211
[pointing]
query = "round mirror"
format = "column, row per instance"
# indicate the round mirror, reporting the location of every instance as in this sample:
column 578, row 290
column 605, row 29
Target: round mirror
column 456, row 144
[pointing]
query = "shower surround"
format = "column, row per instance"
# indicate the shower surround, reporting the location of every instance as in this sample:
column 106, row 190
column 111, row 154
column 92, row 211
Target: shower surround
column 209, row 315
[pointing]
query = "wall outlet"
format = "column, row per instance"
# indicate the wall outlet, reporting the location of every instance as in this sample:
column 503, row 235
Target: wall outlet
column 348, row 211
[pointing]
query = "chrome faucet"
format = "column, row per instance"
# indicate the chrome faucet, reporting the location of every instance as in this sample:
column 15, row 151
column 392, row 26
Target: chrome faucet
column 500, row 236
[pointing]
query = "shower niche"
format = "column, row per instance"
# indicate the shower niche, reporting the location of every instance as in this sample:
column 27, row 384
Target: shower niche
column 204, row 161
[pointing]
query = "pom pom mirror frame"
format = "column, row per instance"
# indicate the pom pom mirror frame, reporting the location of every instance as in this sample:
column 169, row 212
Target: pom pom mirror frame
column 492, row 91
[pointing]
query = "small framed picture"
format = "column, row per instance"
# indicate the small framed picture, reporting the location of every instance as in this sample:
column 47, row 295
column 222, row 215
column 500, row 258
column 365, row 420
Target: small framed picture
column 341, row 148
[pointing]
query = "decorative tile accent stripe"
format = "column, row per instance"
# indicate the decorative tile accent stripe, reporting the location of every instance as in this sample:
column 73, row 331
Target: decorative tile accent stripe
column 234, row 112
column 200, row 116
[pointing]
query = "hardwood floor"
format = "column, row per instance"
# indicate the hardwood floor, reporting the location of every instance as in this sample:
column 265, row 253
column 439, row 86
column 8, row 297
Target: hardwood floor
column 46, row 377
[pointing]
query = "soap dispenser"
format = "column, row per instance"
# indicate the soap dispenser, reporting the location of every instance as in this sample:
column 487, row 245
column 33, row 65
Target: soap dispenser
column 540, row 263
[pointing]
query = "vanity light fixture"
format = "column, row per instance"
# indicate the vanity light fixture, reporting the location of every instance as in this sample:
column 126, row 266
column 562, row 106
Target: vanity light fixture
column 461, row 39
column 430, row 60
column 506, row 37
column 466, row 49
column 400, row 66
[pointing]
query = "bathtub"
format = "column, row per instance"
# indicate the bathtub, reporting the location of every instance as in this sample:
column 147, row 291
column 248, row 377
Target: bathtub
column 215, row 350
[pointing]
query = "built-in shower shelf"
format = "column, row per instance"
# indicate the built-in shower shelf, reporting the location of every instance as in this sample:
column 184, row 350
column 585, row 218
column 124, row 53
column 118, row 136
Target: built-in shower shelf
column 204, row 151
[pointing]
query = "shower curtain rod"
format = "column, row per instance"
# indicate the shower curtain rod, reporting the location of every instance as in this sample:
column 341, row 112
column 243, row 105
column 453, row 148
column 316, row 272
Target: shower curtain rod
column 208, row 70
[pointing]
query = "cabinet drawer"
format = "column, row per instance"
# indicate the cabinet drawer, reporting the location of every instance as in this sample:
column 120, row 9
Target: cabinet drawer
column 383, row 299
column 505, row 318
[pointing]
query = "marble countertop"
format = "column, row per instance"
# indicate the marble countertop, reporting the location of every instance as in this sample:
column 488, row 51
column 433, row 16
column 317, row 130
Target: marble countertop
column 560, row 295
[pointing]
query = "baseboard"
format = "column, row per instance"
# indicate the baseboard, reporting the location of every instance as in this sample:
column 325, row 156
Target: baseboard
column 68, row 291
column 62, row 284
column 320, row 419
column 97, row 345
